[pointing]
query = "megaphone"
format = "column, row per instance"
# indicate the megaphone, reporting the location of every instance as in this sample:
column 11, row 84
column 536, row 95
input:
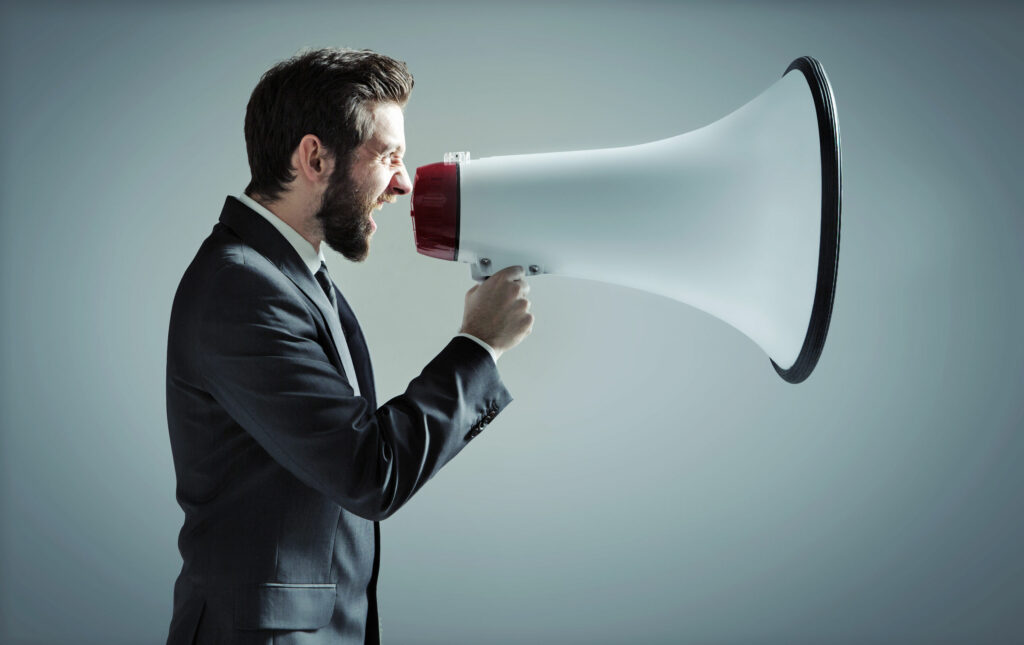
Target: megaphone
column 739, row 218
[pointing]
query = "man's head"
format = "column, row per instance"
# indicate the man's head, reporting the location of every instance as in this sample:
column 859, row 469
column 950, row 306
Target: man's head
column 324, row 131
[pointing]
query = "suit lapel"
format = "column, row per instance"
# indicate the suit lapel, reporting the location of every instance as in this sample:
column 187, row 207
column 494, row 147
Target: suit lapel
column 265, row 239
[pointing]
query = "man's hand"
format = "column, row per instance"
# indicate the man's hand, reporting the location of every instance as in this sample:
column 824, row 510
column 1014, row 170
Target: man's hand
column 497, row 311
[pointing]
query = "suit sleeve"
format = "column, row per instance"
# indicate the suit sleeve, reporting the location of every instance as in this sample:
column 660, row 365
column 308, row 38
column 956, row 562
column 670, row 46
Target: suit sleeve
column 261, row 360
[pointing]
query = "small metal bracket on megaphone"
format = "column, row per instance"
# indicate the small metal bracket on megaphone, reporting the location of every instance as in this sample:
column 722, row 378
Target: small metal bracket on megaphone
column 482, row 269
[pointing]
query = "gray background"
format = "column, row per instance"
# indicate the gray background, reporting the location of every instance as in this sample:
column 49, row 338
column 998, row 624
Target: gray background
column 654, row 481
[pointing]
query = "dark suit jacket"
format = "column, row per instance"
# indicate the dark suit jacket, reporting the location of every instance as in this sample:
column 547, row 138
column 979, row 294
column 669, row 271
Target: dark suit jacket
column 282, row 472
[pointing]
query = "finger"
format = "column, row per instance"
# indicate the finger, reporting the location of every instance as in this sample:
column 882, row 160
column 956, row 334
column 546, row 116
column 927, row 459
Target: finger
column 511, row 273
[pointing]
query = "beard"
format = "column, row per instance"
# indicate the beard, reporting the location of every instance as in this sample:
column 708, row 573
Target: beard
column 344, row 215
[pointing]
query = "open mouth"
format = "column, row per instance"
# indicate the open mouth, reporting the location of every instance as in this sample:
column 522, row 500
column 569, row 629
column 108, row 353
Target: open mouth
column 384, row 199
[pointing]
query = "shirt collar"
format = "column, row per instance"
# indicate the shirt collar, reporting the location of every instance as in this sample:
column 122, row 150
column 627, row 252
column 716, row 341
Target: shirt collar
column 310, row 256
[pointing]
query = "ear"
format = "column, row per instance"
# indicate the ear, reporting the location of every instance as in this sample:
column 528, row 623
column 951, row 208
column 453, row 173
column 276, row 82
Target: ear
column 312, row 161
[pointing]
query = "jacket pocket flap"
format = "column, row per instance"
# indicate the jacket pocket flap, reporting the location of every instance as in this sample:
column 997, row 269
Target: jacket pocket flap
column 276, row 605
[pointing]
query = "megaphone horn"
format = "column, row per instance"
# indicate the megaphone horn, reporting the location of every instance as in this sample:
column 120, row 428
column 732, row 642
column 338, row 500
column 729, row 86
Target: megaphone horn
column 739, row 218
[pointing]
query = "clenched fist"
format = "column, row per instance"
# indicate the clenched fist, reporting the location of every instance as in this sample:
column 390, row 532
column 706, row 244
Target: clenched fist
column 497, row 311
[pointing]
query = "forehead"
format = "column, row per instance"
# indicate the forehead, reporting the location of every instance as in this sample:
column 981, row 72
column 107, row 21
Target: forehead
column 388, row 128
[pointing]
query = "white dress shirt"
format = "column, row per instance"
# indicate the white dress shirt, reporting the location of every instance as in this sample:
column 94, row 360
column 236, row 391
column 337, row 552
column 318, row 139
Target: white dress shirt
column 312, row 258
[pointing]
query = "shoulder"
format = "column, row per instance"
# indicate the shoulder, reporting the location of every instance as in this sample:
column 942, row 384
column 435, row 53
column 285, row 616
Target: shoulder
column 233, row 300
column 228, row 276
column 224, row 261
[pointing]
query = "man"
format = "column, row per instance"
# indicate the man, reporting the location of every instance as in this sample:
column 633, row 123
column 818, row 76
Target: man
column 285, row 463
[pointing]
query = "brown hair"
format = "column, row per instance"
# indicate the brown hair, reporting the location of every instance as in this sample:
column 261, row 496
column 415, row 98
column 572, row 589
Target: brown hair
column 325, row 92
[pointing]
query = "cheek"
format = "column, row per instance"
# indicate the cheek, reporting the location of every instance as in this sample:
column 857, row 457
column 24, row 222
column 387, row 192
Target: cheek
column 372, row 183
column 381, row 182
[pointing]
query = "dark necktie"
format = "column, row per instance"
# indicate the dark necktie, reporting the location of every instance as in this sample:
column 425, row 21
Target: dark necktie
column 354, row 339
column 325, row 284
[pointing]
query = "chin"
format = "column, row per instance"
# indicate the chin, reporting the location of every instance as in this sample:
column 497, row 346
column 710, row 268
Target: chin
column 359, row 255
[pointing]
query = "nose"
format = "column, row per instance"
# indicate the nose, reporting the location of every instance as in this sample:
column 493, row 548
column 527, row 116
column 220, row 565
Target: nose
column 400, row 184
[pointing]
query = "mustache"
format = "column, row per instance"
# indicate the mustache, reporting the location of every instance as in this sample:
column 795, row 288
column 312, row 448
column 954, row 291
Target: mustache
column 388, row 198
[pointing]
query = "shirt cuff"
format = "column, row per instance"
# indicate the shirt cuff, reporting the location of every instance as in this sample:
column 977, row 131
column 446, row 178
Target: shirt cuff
column 490, row 350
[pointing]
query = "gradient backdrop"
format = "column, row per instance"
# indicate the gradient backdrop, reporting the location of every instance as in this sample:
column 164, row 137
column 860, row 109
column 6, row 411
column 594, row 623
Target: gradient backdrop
column 654, row 481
